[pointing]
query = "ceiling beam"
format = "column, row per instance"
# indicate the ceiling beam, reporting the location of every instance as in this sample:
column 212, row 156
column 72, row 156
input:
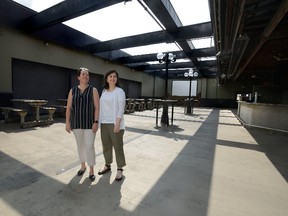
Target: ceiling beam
column 202, row 65
column 179, row 74
column 183, row 33
column 166, row 14
column 64, row 11
column 144, row 58
column 204, row 52
column 146, row 67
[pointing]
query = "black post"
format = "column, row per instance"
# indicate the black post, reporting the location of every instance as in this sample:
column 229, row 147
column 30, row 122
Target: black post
column 166, row 76
column 165, row 116
column 154, row 84
column 189, row 99
column 157, row 107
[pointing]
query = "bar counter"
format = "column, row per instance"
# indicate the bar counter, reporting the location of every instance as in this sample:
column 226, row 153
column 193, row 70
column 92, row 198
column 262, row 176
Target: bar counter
column 263, row 115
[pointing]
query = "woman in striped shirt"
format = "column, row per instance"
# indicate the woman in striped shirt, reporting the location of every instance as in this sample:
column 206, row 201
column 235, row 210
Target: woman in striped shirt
column 82, row 114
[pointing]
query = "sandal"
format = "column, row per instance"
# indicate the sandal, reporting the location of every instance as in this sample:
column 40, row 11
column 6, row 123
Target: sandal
column 81, row 172
column 105, row 169
column 92, row 177
column 119, row 175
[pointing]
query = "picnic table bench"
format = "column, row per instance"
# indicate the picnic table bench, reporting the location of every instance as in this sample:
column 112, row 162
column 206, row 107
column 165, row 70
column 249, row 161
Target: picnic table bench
column 130, row 106
column 51, row 111
column 139, row 104
column 21, row 112
column 149, row 104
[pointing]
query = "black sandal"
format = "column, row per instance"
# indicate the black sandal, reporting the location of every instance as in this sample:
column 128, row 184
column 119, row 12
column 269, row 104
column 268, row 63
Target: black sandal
column 92, row 177
column 81, row 172
column 106, row 169
column 121, row 177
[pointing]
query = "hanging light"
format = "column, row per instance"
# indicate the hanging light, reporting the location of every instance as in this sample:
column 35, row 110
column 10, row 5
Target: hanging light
column 170, row 57
column 191, row 73
column 160, row 56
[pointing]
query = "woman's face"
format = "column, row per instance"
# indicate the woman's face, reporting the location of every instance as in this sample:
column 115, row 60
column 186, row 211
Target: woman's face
column 112, row 79
column 84, row 76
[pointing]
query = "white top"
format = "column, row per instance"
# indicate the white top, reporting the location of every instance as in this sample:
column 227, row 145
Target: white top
column 112, row 106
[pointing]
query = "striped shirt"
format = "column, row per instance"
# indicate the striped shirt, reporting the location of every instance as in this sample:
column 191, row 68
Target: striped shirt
column 82, row 113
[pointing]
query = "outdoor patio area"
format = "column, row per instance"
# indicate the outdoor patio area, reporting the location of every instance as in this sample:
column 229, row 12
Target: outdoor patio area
column 205, row 164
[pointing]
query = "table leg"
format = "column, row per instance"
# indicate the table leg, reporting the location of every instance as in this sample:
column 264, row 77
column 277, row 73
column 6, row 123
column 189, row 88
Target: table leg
column 172, row 115
column 37, row 113
column 165, row 116
column 157, row 107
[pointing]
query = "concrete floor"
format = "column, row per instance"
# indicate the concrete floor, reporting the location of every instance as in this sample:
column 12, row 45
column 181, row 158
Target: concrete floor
column 206, row 164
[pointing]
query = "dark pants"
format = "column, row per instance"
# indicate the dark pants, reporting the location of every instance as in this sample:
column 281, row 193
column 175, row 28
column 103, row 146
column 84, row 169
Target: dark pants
column 110, row 139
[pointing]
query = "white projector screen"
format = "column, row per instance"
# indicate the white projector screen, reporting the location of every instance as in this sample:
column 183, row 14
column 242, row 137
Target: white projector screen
column 181, row 88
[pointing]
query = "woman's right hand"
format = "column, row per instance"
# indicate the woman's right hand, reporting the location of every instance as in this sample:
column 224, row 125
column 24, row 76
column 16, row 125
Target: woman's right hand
column 68, row 128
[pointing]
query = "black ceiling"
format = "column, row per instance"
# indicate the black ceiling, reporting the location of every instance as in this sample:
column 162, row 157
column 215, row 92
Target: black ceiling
column 251, row 36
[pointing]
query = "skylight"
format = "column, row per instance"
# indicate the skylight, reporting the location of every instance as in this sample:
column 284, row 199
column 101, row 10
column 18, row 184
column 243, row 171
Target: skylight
column 119, row 20
column 192, row 11
column 37, row 5
column 131, row 18
column 162, row 47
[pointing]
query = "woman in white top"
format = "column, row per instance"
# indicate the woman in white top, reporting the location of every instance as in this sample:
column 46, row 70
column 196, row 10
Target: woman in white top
column 112, row 105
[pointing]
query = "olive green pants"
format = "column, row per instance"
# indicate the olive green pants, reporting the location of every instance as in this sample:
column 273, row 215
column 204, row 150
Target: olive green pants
column 109, row 140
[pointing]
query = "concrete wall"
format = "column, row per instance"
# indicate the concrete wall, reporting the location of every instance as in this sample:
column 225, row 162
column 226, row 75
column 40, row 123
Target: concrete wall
column 17, row 45
column 215, row 95
column 210, row 89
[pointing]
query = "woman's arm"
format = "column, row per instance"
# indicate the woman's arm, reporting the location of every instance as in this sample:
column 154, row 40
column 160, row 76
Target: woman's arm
column 68, row 111
column 121, row 100
column 96, row 109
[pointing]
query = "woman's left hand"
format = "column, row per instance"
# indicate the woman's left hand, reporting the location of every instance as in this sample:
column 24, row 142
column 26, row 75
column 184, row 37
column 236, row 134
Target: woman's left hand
column 95, row 127
column 116, row 128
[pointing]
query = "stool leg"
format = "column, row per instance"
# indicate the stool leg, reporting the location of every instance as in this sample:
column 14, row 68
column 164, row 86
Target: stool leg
column 51, row 112
column 22, row 118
